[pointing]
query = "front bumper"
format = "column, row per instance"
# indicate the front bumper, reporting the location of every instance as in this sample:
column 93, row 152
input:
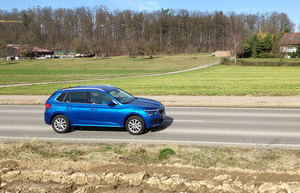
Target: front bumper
column 158, row 120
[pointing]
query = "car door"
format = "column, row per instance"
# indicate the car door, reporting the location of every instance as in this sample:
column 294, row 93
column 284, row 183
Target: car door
column 103, row 112
column 78, row 108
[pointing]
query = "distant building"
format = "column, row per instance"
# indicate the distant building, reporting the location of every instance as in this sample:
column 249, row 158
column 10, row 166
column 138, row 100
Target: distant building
column 64, row 53
column 6, row 51
column 24, row 50
column 221, row 54
column 289, row 42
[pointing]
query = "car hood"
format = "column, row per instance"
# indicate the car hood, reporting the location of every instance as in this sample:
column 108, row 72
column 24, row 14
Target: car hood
column 146, row 103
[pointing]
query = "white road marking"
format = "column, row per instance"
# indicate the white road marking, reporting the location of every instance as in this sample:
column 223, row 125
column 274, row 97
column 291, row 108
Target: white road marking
column 237, row 108
column 235, row 114
column 232, row 132
column 186, row 121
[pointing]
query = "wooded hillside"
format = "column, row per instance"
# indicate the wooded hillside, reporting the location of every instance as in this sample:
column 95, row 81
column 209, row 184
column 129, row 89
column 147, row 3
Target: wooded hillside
column 118, row 32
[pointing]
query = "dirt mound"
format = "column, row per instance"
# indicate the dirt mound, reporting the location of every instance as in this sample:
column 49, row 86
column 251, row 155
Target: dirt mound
column 32, row 166
column 90, row 177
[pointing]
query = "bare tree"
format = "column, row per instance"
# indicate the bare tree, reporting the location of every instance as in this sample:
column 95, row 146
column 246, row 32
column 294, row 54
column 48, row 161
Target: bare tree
column 236, row 22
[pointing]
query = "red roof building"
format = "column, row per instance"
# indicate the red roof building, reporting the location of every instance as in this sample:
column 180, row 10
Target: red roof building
column 289, row 42
column 35, row 50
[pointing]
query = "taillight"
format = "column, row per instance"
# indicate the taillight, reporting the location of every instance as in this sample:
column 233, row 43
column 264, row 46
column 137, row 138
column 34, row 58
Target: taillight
column 48, row 106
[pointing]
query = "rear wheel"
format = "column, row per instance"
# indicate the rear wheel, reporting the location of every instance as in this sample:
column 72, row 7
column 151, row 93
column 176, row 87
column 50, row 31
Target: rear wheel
column 135, row 125
column 60, row 124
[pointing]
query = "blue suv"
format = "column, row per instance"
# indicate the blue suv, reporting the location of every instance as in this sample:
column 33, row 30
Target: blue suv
column 102, row 106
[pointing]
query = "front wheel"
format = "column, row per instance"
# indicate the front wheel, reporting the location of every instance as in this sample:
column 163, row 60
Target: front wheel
column 60, row 124
column 135, row 125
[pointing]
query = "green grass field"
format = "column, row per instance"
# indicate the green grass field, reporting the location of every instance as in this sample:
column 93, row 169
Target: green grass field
column 25, row 71
column 217, row 80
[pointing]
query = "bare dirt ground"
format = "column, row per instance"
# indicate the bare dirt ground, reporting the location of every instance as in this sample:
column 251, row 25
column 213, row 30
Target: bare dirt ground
column 47, row 167
column 190, row 101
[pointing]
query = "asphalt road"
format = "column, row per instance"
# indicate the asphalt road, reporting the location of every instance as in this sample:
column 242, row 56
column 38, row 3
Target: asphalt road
column 196, row 126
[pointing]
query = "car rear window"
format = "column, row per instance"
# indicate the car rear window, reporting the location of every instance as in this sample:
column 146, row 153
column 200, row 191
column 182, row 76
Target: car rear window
column 61, row 97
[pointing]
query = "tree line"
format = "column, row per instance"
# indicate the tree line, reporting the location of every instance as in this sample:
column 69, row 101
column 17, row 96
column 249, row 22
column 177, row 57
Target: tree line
column 100, row 30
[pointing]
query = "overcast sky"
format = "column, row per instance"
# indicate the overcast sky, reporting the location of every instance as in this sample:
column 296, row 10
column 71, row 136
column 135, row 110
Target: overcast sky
column 290, row 7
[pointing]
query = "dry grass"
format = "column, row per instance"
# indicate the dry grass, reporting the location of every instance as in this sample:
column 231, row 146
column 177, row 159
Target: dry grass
column 244, row 158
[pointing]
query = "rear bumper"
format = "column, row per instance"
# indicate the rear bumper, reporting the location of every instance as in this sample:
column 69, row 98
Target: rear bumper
column 47, row 117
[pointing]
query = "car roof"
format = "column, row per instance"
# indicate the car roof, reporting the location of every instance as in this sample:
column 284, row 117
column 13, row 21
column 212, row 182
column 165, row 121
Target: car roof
column 105, row 88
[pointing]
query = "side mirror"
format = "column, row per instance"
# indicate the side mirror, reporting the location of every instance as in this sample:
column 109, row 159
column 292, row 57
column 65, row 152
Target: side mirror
column 112, row 103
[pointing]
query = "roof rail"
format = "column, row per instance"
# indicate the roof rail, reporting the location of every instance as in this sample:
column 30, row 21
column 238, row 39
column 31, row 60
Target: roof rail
column 78, row 88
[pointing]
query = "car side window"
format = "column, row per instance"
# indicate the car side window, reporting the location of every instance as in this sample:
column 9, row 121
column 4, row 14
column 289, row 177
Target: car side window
column 67, row 98
column 76, row 97
column 99, row 98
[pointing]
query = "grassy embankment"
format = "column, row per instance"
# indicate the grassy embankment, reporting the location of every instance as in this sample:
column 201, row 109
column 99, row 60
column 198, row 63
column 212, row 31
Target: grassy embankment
column 217, row 80
column 33, row 166
column 90, row 68
column 244, row 158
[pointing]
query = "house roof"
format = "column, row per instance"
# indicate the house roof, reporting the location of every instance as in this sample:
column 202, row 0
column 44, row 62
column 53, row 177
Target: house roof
column 290, row 39
column 34, row 48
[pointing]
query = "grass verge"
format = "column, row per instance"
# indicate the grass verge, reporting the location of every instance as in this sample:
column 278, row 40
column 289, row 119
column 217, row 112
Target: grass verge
column 244, row 158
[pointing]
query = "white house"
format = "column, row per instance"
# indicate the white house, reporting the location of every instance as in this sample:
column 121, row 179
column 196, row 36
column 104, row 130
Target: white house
column 289, row 42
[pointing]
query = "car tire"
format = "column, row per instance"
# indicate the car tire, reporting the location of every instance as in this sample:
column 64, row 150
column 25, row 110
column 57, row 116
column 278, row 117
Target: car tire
column 135, row 125
column 61, row 124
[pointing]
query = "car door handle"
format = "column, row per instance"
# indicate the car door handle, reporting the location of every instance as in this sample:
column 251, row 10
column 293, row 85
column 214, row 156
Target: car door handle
column 94, row 109
column 69, row 108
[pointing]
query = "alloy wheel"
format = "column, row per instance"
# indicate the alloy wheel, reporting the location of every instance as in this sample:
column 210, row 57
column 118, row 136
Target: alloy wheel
column 60, row 124
column 134, row 125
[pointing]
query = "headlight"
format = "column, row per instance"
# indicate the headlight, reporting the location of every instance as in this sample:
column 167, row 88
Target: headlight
column 150, row 112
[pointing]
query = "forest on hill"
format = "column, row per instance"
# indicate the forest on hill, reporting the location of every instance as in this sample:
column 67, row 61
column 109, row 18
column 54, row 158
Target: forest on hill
column 100, row 30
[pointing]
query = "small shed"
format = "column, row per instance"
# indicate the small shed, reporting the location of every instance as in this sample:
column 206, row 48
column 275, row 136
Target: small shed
column 222, row 54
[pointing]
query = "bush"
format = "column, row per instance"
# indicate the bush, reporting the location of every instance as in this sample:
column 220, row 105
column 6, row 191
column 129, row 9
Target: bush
column 165, row 153
column 265, row 55
column 224, row 60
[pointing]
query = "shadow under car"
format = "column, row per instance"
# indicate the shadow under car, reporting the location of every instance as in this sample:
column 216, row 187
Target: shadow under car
column 165, row 125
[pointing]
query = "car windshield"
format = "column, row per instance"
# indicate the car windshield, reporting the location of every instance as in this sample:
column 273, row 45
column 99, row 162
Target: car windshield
column 122, row 96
